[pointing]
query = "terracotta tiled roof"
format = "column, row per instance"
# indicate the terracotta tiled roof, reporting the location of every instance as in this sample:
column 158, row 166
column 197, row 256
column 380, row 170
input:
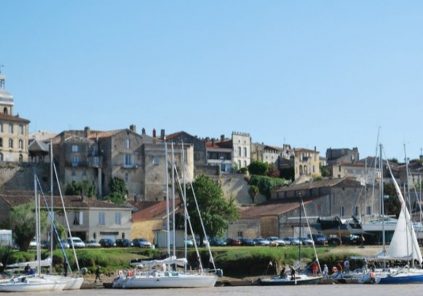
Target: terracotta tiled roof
column 13, row 118
column 152, row 211
column 224, row 144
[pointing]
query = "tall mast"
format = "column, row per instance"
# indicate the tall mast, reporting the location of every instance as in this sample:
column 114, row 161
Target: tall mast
column 173, row 201
column 51, row 206
column 382, row 203
column 167, row 201
column 299, row 233
column 184, row 193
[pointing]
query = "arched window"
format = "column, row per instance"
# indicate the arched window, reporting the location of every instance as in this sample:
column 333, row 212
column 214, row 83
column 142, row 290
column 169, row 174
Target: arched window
column 21, row 144
column 10, row 143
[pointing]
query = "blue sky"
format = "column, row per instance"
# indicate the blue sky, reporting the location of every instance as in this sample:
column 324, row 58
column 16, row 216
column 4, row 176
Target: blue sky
column 307, row 73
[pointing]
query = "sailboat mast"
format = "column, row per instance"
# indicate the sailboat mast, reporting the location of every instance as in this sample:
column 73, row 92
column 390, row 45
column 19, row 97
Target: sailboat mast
column 51, row 206
column 167, row 200
column 173, row 201
column 299, row 232
column 184, row 193
column 37, row 227
column 382, row 203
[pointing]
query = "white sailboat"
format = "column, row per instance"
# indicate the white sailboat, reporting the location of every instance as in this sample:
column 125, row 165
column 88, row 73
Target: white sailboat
column 164, row 273
column 404, row 246
column 36, row 282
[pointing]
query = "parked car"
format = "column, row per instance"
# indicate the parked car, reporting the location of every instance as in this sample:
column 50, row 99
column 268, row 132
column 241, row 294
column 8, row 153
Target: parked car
column 276, row 241
column 141, row 243
column 306, row 241
column 292, row 241
column 189, row 242
column 334, row 240
column 261, row 242
column 247, row 242
column 233, row 242
column 123, row 242
column 92, row 244
column 320, row 240
column 76, row 241
column 217, row 242
column 107, row 243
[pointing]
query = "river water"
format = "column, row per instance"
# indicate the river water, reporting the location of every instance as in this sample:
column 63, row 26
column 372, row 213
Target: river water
column 312, row 290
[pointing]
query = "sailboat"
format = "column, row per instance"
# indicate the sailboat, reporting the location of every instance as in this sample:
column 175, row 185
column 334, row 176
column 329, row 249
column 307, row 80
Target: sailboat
column 404, row 246
column 36, row 282
column 164, row 273
column 296, row 278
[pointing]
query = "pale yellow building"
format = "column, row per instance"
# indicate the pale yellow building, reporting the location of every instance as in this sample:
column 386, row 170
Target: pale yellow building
column 14, row 131
column 306, row 163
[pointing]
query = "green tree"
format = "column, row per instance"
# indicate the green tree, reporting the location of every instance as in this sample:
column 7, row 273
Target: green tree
column 216, row 211
column 118, row 191
column 391, row 204
column 258, row 168
column 22, row 223
column 253, row 191
column 76, row 188
column 324, row 171
column 273, row 171
column 266, row 184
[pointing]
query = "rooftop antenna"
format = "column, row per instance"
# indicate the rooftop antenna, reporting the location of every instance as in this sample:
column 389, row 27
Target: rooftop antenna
column 1, row 66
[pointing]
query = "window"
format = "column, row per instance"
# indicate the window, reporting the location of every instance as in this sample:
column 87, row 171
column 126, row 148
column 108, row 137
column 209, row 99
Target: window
column 75, row 161
column 356, row 211
column 78, row 218
column 156, row 160
column 1, row 142
column 10, row 143
column 245, row 151
column 21, row 144
column 21, row 129
column 342, row 212
column 127, row 161
column 75, row 148
column 1, row 127
column 369, row 210
column 127, row 143
column 240, row 234
column 118, row 218
column 339, row 168
column 101, row 218
column 10, row 128
column 239, row 151
column 1, row 156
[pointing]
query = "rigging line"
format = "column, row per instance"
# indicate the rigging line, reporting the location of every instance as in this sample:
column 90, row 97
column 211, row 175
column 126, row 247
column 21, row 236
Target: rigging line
column 53, row 223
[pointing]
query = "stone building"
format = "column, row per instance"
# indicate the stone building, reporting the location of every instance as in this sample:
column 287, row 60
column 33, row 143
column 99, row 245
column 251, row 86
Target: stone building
column 342, row 155
column 100, row 156
column 306, row 164
column 14, row 130
column 199, row 145
column 241, row 145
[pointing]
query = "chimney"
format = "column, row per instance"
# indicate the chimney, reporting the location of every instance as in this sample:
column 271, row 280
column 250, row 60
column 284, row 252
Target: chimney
column 154, row 132
column 162, row 134
column 133, row 128
column 143, row 131
column 222, row 138
column 86, row 131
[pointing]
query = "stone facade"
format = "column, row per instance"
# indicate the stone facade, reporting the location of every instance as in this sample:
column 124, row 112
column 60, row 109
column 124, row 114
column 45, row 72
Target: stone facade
column 241, row 149
column 306, row 164
column 14, row 130
column 342, row 155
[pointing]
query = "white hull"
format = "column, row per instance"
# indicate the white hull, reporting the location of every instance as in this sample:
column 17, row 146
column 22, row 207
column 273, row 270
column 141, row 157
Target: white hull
column 24, row 284
column 71, row 283
column 173, row 281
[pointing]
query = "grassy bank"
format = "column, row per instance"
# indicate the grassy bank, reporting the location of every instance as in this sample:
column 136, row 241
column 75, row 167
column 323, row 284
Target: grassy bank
column 235, row 261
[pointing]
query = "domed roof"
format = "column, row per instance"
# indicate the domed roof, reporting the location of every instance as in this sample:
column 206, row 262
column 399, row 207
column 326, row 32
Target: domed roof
column 5, row 97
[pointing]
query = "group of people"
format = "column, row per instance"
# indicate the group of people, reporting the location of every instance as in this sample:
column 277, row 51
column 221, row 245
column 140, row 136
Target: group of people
column 339, row 268
column 283, row 274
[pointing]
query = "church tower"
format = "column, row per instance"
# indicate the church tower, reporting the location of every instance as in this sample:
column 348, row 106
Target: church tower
column 14, row 130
